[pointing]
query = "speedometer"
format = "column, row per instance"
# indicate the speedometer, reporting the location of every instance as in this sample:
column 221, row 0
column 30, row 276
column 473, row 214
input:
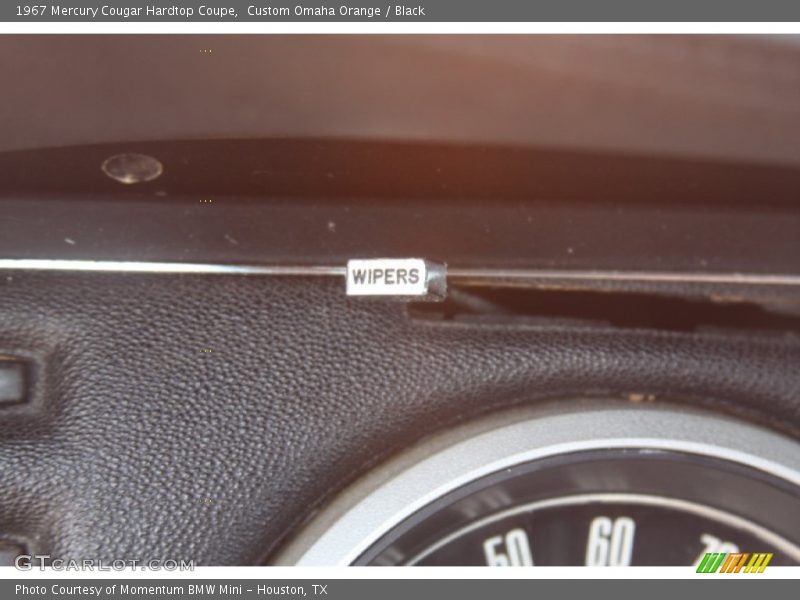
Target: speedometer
column 631, row 507
column 609, row 487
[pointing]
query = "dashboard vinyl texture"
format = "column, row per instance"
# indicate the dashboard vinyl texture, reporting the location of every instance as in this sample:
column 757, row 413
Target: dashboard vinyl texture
column 206, row 417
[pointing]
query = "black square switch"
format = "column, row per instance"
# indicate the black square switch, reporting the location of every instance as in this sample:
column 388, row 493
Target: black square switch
column 13, row 384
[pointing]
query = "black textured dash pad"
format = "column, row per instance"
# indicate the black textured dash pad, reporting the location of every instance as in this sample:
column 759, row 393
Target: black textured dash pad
column 203, row 418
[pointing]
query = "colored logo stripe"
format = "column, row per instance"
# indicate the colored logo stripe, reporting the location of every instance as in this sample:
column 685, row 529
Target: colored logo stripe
column 734, row 562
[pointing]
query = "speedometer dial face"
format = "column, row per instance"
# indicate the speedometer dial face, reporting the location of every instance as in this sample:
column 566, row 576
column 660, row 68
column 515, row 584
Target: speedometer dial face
column 602, row 508
column 582, row 484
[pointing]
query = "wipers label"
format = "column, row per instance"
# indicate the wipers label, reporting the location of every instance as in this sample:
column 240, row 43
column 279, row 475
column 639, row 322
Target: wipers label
column 413, row 278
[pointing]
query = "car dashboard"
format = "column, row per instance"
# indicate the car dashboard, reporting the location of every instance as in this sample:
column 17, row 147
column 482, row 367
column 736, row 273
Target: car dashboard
column 607, row 372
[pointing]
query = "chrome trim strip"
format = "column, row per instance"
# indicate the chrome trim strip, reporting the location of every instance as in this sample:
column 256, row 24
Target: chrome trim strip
column 643, row 276
column 36, row 264
column 464, row 275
